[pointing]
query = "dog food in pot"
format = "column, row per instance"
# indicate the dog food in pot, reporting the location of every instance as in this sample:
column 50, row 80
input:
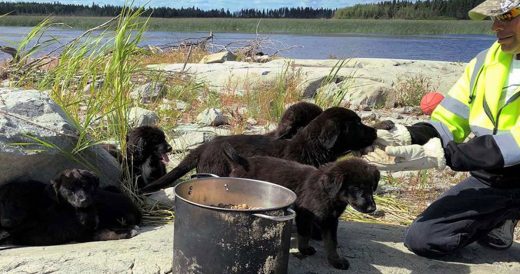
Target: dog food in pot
column 232, row 206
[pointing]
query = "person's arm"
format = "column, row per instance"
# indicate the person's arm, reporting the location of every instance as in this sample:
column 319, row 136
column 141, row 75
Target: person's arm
column 478, row 153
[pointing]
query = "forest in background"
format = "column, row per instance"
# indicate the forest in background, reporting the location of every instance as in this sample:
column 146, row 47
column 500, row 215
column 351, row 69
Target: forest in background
column 30, row 8
column 428, row 9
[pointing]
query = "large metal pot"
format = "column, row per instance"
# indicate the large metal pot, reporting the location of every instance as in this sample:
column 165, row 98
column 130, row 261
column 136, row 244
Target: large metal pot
column 211, row 239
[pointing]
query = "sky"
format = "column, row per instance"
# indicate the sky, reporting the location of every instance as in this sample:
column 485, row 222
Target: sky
column 232, row 5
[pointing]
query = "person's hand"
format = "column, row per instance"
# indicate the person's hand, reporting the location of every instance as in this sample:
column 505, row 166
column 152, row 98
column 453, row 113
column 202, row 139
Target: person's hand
column 390, row 134
column 410, row 157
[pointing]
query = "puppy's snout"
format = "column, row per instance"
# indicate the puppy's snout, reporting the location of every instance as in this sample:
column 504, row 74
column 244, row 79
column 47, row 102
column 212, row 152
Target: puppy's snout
column 371, row 208
column 82, row 199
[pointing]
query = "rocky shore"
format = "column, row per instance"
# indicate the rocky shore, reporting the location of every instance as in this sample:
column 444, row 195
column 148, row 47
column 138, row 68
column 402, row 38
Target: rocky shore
column 370, row 248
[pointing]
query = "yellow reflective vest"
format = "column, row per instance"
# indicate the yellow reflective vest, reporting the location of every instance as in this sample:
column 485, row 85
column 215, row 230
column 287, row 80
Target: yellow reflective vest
column 473, row 105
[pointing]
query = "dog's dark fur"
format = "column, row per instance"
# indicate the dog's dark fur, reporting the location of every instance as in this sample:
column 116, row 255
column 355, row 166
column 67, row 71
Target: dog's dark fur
column 296, row 117
column 146, row 149
column 62, row 213
column 328, row 136
column 322, row 193
column 36, row 213
column 116, row 210
column 16, row 200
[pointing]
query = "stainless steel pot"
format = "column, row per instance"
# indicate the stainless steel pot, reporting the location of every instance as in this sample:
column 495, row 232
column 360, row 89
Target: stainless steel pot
column 211, row 239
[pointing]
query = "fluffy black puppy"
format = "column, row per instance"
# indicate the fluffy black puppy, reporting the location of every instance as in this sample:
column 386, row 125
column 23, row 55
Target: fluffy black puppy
column 322, row 193
column 71, row 208
column 61, row 212
column 146, row 151
column 331, row 134
column 294, row 118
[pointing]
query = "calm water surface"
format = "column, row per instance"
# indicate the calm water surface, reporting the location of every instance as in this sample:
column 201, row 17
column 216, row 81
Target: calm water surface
column 431, row 47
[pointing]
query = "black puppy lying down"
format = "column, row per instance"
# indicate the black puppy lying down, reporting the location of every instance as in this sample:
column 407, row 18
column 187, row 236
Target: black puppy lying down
column 322, row 193
column 333, row 133
column 35, row 213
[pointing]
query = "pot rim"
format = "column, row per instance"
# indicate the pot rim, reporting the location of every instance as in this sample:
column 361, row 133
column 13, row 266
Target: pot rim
column 290, row 192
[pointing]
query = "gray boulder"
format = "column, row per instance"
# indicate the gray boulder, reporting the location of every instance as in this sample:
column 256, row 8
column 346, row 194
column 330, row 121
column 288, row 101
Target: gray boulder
column 149, row 92
column 212, row 117
column 25, row 113
column 142, row 117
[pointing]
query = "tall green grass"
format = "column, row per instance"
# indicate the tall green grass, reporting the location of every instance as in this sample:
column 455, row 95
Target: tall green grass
column 110, row 58
column 298, row 26
column 330, row 95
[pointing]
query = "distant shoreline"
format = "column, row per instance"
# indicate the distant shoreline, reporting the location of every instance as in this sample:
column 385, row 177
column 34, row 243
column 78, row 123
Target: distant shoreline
column 277, row 26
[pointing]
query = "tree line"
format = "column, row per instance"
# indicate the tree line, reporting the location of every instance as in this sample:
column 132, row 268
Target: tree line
column 32, row 8
column 426, row 9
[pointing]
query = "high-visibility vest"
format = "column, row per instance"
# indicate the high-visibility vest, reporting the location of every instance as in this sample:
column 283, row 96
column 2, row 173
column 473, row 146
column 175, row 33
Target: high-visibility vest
column 473, row 105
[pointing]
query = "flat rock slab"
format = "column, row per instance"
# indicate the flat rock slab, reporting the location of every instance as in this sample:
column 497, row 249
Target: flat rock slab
column 366, row 72
column 370, row 248
column 149, row 252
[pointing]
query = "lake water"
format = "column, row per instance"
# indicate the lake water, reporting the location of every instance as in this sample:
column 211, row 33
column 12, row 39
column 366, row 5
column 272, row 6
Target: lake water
column 428, row 47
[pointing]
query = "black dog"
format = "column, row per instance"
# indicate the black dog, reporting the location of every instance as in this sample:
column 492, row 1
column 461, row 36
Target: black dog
column 294, row 118
column 68, row 209
column 62, row 211
column 333, row 133
column 146, row 151
column 323, row 193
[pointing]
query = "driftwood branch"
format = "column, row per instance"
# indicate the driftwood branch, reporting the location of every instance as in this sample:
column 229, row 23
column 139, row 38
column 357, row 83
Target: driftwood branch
column 11, row 51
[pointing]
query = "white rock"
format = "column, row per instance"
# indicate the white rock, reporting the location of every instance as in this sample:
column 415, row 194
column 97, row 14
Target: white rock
column 30, row 112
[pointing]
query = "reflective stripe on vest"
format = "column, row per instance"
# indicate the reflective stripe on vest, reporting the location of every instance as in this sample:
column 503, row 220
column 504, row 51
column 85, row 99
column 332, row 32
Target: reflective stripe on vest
column 479, row 64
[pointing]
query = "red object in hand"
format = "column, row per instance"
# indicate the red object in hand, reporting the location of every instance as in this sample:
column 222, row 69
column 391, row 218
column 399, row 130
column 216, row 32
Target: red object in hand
column 429, row 101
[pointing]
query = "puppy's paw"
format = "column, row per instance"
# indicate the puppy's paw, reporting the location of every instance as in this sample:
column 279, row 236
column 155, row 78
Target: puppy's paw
column 385, row 125
column 307, row 250
column 339, row 263
column 133, row 232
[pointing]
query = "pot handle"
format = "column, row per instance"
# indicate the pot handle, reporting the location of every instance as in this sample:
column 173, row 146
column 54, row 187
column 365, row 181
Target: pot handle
column 291, row 216
column 203, row 175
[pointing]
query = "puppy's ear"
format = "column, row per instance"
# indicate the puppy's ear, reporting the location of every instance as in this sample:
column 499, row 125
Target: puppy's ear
column 286, row 125
column 138, row 148
column 329, row 134
column 284, row 132
column 331, row 184
column 90, row 176
column 377, row 177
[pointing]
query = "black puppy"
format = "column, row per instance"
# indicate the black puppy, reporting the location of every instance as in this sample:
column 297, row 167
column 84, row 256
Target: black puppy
column 61, row 212
column 323, row 193
column 333, row 133
column 294, row 118
column 71, row 208
column 146, row 151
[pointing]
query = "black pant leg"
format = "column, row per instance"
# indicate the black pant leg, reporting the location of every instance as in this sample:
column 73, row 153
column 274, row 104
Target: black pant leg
column 460, row 216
